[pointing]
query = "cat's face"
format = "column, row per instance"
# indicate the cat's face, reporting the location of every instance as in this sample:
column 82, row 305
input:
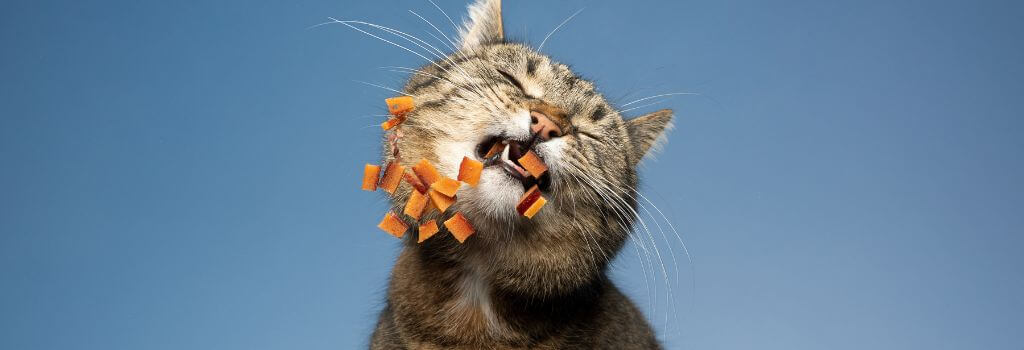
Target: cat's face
column 491, row 92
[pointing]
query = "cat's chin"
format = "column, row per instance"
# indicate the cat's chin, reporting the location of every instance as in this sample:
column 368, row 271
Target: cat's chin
column 495, row 196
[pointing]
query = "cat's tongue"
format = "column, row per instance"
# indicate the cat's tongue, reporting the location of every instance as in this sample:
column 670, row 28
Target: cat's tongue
column 507, row 154
column 513, row 151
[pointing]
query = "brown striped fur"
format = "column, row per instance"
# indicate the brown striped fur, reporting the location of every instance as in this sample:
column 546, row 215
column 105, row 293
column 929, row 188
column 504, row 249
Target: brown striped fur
column 517, row 283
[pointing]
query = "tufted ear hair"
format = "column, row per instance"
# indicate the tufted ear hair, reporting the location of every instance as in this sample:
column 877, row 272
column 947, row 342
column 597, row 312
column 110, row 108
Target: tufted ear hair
column 648, row 132
column 483, row 26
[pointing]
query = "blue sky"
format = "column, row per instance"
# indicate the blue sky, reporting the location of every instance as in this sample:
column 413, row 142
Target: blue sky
column 184, row 175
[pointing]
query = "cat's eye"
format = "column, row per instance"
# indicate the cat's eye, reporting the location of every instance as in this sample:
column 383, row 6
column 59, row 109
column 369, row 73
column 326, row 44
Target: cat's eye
column 512, row 80
column 587, row 134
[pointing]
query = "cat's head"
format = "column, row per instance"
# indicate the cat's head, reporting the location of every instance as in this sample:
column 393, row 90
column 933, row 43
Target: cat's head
column 491, row 90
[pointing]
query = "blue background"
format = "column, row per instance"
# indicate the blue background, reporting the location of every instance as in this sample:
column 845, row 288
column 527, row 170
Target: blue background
column 184, row 175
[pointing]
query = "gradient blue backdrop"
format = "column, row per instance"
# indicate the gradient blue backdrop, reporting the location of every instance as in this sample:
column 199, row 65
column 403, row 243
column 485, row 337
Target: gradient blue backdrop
column 184, row 175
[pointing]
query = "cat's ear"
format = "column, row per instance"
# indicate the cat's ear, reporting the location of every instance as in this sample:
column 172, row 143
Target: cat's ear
column 648, row 132
column 483, row 26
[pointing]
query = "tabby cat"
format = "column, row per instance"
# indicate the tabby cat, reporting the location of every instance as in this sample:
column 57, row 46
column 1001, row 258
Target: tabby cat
column 517, row 283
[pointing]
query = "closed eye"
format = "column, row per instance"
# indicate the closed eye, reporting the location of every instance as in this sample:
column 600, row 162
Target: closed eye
column 587, row 134
column 512, row 80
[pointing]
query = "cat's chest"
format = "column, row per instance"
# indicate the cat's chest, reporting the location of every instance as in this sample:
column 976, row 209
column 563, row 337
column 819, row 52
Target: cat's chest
column 472, row 306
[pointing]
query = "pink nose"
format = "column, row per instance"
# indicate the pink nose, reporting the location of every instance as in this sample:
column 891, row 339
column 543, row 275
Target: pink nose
column 541, row 124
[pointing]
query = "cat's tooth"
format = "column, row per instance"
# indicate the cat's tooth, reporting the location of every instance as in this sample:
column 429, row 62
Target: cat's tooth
column 504, row 152
column 522, row 172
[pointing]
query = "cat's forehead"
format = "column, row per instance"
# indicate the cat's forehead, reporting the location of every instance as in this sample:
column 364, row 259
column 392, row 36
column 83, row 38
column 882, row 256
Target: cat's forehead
column 547, row 78
column 523, row 59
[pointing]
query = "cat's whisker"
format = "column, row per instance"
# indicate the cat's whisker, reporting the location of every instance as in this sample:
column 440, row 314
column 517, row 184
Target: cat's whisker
column 641, row 106
column 431, row 49
column 638, row 246
column 440, row 55
column 693, row 281
column 417, row 41
column 541, row 46
column 346, row 23
column 618, row 206
column 671, row 226
column 659, row 95
column 670, row 299
column 585, row 232
column 693, row 273
column 450, row 47
column 454, row 26
column 603, row 183
column 385, row 88
column 595, row 201
column 422, row 73
column 665, row 237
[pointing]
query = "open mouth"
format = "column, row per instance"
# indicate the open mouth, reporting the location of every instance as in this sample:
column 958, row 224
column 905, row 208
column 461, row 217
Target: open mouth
column 505, row 152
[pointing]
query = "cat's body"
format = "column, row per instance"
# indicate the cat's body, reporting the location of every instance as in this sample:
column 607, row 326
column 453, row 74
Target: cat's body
column 518, row 282
column 432, row 305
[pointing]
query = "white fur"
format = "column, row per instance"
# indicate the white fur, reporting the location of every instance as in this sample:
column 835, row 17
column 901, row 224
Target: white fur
column 532, row 88
column 659, row 143
column 482, row 15
column 475, row 292
column 450, row 156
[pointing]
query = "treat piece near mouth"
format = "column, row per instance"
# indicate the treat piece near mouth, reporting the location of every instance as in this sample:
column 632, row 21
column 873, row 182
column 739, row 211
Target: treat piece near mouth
column 508, row 154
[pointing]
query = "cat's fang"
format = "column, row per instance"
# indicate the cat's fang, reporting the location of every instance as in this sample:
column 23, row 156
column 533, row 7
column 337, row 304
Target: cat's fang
column 518, row 169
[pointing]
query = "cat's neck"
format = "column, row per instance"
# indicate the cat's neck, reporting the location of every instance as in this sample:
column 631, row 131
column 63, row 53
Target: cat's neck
column 457, row 301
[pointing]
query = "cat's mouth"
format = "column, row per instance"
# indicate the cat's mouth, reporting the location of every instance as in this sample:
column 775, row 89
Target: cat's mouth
column 501, row 151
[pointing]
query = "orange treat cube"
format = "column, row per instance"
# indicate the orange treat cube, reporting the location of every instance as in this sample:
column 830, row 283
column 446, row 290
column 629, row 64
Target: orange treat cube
column 427, row 230
column 527, row 199
column 392, row 176
column 414, row 181
column 393, row 122
column 535, row 207
column 370, row 175
column 414, row 207
column 469, row 171
column 440, row 201
column 430, row 204
column 495, row 149
column 533, row 164
column 459, row 227
column 393, row 225
column 446, row 186
column 399, row 106
column 426, row 172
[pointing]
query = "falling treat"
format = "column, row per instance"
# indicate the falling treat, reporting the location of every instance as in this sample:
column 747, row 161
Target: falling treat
column 392, row 176
column 391, row 123
column 426, row 172
column 535, row 207
column 469, row 171
column 495, row 149
column 533, row 164
column 531, row 202
column 430, row 204
column 370, row 175
column 399, row 106
column 393, row 143
column 440, row 201
column 459, row 227
column 427, row 230
column 414, row 181
column 414, row 207
column 446, row 186
column 393, row 225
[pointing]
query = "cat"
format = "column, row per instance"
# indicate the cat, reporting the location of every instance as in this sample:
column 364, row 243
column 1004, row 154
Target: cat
column 518, row 283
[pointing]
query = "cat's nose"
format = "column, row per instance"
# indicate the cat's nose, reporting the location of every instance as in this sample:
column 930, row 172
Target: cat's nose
column 543, row 126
